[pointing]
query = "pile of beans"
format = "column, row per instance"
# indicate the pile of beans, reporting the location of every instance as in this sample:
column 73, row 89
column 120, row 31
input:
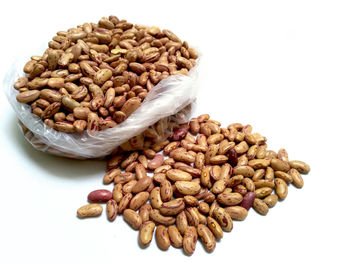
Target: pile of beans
column 203, row 177
column 95, row 76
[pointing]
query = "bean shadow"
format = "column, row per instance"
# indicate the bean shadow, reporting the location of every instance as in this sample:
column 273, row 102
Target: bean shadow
column 54, row 165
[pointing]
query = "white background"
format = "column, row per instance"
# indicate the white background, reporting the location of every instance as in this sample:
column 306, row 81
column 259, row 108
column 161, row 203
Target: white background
column 282, row 66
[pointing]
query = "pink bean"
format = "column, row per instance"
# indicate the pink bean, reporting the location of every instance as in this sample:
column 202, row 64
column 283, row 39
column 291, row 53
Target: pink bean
column 156, row 162
column 101, row 195
column 248, row 200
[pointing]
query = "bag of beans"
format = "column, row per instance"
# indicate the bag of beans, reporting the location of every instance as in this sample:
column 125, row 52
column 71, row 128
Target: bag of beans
column 101, row 86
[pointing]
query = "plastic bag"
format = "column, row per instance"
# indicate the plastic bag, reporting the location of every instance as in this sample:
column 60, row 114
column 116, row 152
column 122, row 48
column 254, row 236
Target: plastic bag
column 167, row 101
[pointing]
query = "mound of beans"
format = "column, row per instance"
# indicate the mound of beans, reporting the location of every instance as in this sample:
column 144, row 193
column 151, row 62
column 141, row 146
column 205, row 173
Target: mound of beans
column 95, row 76
column 192, row 185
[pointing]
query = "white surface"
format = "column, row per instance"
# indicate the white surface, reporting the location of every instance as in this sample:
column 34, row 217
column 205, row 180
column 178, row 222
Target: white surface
column 282, row 66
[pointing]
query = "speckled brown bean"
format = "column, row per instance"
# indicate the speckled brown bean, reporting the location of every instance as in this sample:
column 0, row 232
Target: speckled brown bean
column 181, row 222
column 237, row 212
column 102, row 76
column 296, row 177
column 281, row 188
column 138, row 200
column 187, row 188
column 166, row 191
column 132, row 218
column 263, row 192
column 117, row 193
column 271, row 200
column 176, row 239
column 302, row 167
column 229, row 199
column 215, row 227
column 155, row 198
column 223, row 218
column 172, row 207
column 124, row 202
column 144, row 212
column 285, row 176
column 207, row 237
column 51, row 110
column 279, row 165
column 142, row 184
column 260, row 206
column 28, row 96
column 190, row 240
column 131, row 105
column 146, row 233
column 162, row 237
column 203, row 208
column 90, row 210
column 157, row 217
column 194, row 126
column 112, row 209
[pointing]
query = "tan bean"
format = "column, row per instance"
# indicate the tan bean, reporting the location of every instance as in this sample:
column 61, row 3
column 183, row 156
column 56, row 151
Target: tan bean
column 144, row 212
column 178, row 175
column 90, row 210
column 207, row 237
column 166, row 191
column 281, row 188
column 176, row 239
column 142, row 184
column 230, row 199
column 297, row 180
column 271, row 200
column 124, row 202
column 55, row 83
column 234, row 180
column 138, row 200
column 172, row 207
column 28, row 96
column 102, row 76
column 269, row 174
column 117, row 193
column 263, row 192
column 260, row 206
column 223, row 218
column 264, row 183
column 162, row 237
column 157, row 217
column 246, row 171
column 279, row 165
column 112, row 209
column 259, row 163
column 242, row 147
column 215, row 227
column 64, row 127
column 155, row 198
column 132, row 218
column 51, row 110
column 190, row 240
column 187, row 188
column 130, row 106
column 146, row 233
column 191, row 200
column 302, row 167
column 218, row 159
column 181, row 222
column 238, row 213
column 219, row 186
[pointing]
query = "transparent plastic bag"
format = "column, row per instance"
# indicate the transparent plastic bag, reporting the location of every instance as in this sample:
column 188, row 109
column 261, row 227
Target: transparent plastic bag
column 171, row 101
